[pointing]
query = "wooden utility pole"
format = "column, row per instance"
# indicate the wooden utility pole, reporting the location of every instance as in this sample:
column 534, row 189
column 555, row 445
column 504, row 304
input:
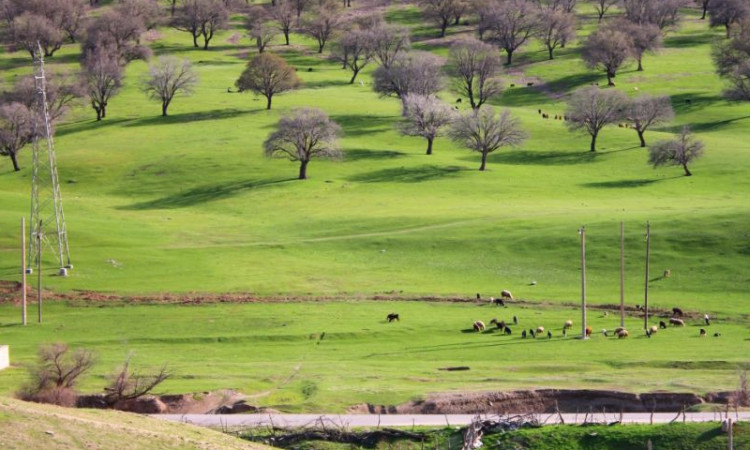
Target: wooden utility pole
column 731, row 434
column 582, row 232
column 622, row 274
column 39, row 270
column 23, row 271
column 645, row 295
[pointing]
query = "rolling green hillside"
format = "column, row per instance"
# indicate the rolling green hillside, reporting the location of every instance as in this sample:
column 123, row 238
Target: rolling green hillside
column 189, row 203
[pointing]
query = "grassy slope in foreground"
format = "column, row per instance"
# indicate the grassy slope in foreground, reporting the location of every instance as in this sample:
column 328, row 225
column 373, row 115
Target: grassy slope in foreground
column 188, row 202
column 26, row 425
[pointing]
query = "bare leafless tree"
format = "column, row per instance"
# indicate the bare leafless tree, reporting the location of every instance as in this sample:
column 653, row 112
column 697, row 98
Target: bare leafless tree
column 167, row 78
column 259, row 29
column 476, row 67
column 425, row 116
column 300, row 6
column 704, row 7
column 304, row 134
column 602, row 6
column 29, row 29
column 644, row 37
column 283, row 13
column 201, row 18
column 148, row 11
column 607, row 49
column 268, row 74
column 483, row 131
column 441, row 12
column 321, row 22
column 556, row 28
column 101, row 78
column 591, row 109
column 62, row 89
column 409, row 73
column 676, row 152
column 16, row 130
column 56, row 373
column 511, row 24
column 388, row 41
column 129, row 384
column 117, row 33
column 646, row 111
column 354, row 50
column 727, row 13
column 662, row 13
column 732, row 59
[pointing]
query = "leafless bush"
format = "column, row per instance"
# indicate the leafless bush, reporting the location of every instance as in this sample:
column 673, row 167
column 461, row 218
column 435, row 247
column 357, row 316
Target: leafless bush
column 54, row 377
column 128, row 384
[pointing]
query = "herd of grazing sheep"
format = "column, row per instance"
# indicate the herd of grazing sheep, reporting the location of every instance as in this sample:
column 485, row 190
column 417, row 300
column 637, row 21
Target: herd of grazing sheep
column 675, row 320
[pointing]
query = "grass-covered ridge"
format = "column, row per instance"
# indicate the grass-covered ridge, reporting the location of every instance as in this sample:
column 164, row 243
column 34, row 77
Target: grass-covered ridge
column 28, row 425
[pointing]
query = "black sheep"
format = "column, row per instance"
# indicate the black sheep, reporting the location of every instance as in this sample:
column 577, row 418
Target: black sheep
column 662, row 325
column 391, row 317
column 515, row 320
column 549, row 334
column 676, row 312
column 523, row 334
column 507, row 331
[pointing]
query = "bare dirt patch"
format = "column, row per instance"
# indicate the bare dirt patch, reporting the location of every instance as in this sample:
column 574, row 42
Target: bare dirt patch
column 547, row 401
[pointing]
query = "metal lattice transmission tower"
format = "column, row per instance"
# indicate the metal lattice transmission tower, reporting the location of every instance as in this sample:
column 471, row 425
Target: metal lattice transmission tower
column 47, row 227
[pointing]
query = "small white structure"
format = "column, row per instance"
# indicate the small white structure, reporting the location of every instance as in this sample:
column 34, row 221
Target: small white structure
column 4, row 356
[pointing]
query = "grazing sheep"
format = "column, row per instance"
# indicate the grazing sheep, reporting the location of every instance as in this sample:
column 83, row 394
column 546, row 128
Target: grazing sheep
column 529, row 84
column 702, row 333
column 588, row 331
column 531, row 332
column 479, row 326
column 500, row 325
column 717, row 334
column 391, row 317
column 618, row 329
column 621, row 125
column 662, row 325
column 515, row 320
column 523, row 334
column 565, row 332
column 648, row 333
column 568, row 324
column 667, row 273
column 638, row 307
column 458, row 100
column 506, row 295
column 676, row 312
column 653, row 329
column 707, row 319
column 549, row 335
column 512, row 85
column 498, row 302
column 622, row 334
column 479, row 297
column 605, row 332
column 508, row 331
column 539, row 330
column 540, row 111
column 545, row 116
column 677, row 322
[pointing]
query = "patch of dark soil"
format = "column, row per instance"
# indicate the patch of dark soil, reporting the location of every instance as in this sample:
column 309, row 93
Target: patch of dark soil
column 218, row 402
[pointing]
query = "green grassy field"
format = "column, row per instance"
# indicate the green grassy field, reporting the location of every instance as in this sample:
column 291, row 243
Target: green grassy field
column 331, row 355
column 188, row 203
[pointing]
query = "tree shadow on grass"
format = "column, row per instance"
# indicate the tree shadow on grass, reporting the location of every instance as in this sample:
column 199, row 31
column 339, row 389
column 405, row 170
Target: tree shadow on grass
column 408, row 175
column 690, row 40
column 620, row 184
column 358, row 125
column 360, row 153
column 86, row 125
column 570, row 82
column 203, row 194
column 693, row 101
column 705, row 126
column 535, row 158
column 214, row 114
